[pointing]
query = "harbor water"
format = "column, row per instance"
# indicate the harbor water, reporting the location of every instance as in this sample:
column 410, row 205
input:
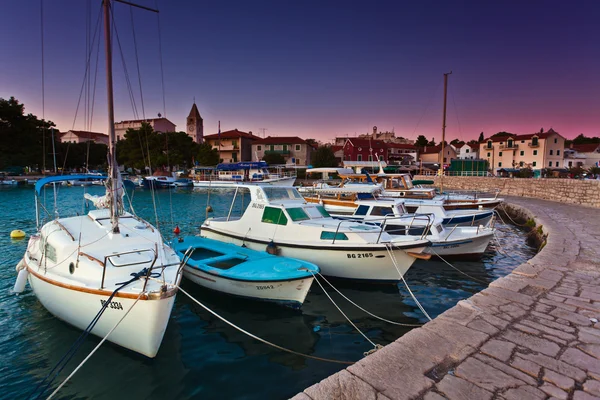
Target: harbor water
column 201, row 356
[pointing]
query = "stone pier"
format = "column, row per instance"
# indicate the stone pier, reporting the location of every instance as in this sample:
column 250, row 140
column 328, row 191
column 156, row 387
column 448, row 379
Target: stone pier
column 533, row 334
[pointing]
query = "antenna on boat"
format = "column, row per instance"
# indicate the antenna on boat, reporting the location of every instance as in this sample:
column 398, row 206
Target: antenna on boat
column 443, row 132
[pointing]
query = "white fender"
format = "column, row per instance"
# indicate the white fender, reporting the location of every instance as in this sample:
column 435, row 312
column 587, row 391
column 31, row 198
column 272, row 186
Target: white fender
column 21, row 281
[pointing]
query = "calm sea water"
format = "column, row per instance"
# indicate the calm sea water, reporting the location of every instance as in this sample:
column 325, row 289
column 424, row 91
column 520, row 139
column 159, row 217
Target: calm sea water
column 201, row 356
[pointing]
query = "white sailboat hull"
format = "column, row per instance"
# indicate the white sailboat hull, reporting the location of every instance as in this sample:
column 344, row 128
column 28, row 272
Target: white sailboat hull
column 141, row 331
column 291, row 292
column 369, row 263
column 287, row 181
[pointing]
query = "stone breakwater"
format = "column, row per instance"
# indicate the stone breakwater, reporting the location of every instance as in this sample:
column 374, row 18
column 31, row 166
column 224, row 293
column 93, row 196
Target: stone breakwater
column 533, row 334
column 574, row 191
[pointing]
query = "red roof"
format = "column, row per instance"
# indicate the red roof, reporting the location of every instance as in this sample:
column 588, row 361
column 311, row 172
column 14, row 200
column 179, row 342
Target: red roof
column 336, row 148
column 233, row 134
column 84, row 134
column 280, row 140
column 431, row 149
column 586, row 148
column 366, row 143
column 527, row 136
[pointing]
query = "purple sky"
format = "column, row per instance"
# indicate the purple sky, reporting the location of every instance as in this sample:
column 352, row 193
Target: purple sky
column 322, row 68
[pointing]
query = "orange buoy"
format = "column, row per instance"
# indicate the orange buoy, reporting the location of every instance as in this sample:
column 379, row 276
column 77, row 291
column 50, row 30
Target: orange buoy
column 176, row 230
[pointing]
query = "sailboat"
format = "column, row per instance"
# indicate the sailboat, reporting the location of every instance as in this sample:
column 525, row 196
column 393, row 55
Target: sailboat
column 108, row 271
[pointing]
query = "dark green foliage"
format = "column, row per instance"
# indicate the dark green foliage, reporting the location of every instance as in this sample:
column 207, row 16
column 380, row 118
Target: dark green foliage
column 432, row 142
column 421, row 141
column 207, row 155
column 22, row 137
column 582, row 139
column 481, row 138
column 92, row 156
column 324, row 157
column 524, row 173
column 273, row 159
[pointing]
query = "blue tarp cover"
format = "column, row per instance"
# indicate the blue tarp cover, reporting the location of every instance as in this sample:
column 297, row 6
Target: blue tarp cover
column 61, row 178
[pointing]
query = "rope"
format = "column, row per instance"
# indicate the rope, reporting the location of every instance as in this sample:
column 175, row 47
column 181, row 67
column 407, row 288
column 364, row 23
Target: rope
column 452, row 266
column 340, row 310
column 260, row 339
column 389, row 248
column 362, row 309
column 95, row 348
column 77, row 344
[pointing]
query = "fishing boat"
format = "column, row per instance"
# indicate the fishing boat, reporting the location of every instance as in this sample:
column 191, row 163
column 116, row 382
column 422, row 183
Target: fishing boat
column 240, row 271
column 107, row 272
column 158, row 182
column 279, row 220
column 392, row 216
column 230, row 175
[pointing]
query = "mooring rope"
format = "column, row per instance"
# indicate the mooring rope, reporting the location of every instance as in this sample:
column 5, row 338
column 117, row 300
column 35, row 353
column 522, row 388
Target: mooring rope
column 362, row 309
column 458, row 270
column 95, row 348
column 261, row 339
column 389, row 248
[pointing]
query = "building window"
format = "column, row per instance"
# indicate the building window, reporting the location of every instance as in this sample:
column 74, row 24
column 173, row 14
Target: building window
column 380, row 158
column 570, row 164
column 297, row 147
column 550, row 164
column 371, row 157
column 557, row 163
column 522, row 153
column 534, row 141
column 535, row 152
column 558, row 152
column 500, row 154
column 489, row 144
column 534, row 163
column 489, row 154
column 521, row 164
column 551, row 151
column 522, row 141
column 259, row 148
column 467, row 151
column 359, row 157
column 509, row 143
column 555, row 140
column 499, row 164
column 285, row 147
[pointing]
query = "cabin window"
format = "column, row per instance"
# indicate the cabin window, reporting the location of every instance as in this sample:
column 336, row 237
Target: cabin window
column 380, row 158
column 282, row 193
column 333, row 236
column 273, row 215
column 323, row 211
column 467, row 150
column 285, row 147
column 361, row 210
column 570, row 164
column 382, row 211
column 50, row 252
column 297, row 214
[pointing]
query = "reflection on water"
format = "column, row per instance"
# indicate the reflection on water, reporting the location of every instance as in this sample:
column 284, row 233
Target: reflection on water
column 202, row 356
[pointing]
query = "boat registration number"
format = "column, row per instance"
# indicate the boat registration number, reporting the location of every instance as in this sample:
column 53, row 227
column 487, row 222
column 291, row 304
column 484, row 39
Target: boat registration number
column 265, row 287
column 259, row 206
column 113, row 304
column 359, row 255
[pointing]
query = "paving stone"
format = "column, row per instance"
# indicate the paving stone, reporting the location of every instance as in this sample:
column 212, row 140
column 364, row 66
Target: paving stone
column 500, row 349
column 381, row 396
column 554, row 276
column 483, row 326
column 589, row 335
column 580, row 395
column 487, row 302
column 552, row 390
column 592, row 386
column 456, row 333
column 301, row 396
column 513, row 310
column 591, row 349
column 581, row 360
column 555, row 365
column 433, row 396
column 526, row 329
column 542, row 309
column 552, row 324
column 555, row 339
column 590, row 294
column 566, row 289
column 542, row 283
column 507, row 369
column 562, row 306
column 526, row 366
column 560, row 333
column 524, row 393
column 571, row 317
column 461, row 314
column 532, row 342
column 526, row 269
column 558, row 380
column 455, row 388
column 553, row 297
column 485, row 376
column 510, row 295
column 342, row 385
column 510, row 282
column 586, row 305
column 497, row 322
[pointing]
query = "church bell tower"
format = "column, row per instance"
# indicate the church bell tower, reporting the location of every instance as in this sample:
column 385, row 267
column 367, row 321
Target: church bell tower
column 195, row 125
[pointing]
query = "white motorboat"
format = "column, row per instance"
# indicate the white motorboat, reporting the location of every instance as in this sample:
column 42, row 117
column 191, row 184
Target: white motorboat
column 108, row 265
column 445, row 241
column 280, row 220
column 230, row 175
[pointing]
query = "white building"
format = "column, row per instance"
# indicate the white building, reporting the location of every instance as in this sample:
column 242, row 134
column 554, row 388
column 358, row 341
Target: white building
column 83, row 136
column 582, row 155
column 466, row 151
column 158, row 124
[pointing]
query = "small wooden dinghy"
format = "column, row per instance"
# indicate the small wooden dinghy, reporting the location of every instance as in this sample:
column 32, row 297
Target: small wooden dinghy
column 240, row 271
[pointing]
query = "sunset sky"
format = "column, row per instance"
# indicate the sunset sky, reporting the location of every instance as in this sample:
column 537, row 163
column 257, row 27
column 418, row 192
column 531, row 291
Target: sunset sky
column 321, row 69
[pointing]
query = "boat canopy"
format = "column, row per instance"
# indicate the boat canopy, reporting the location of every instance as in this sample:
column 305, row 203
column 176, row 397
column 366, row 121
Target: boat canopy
column 242, row 165
column 62, row 178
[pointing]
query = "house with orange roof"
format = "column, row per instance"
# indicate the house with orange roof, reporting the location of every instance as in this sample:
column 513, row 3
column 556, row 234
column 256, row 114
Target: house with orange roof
column 433, row 154
column 233, row 145
column 582, row 155
column 294, row 150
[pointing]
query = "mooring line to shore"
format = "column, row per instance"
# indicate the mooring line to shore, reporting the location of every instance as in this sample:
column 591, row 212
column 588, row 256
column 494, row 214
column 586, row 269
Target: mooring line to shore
column 458, row 270
column 362, row 309
column 261, row 339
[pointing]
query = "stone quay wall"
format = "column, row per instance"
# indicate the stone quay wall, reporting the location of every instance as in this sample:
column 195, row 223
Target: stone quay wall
column 533, row 334
column 572, row 191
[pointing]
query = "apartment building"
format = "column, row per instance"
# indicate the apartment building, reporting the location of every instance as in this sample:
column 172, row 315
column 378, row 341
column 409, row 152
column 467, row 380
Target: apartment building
column 294, row 150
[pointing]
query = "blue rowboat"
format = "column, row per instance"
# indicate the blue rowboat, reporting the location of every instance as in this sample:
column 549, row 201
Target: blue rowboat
column 240, row 271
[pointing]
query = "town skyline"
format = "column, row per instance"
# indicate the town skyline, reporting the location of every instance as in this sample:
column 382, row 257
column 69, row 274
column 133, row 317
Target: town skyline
column 323, row 70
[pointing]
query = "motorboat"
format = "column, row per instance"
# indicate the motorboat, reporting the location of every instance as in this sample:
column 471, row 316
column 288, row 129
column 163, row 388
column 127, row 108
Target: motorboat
column 240, row 271
column 158, row 182
column 280, row 220
column 108, row 271
column 230, row 175
column 391, row 215
column 183, row 183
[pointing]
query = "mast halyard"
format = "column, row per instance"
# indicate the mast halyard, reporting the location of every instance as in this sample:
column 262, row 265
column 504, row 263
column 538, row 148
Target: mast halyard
column 441, row 161
column 112, row 189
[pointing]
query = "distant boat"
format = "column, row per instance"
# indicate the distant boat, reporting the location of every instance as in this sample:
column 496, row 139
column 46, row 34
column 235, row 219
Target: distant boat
column 158, row 182
column 183, row 182
column 240, row 271
column 230, row 175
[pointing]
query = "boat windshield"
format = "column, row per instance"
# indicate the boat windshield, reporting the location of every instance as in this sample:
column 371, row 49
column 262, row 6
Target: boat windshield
column 282, row 193
column 316, row 212
column 297, row 214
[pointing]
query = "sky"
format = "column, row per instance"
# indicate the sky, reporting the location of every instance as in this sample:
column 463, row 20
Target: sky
column 314, row 69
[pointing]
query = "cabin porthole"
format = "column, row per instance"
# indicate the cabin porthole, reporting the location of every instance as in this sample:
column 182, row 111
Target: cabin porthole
column 71, row 268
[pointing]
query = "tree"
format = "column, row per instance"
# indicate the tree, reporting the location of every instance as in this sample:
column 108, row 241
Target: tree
column 481, row 138
column 582, row 139
column 421, row 141
column 432, row 142
column 324, row 157
column 502, row 134
column 273, row 159
column 207, row 155
column 456, row 142
column 312, row 142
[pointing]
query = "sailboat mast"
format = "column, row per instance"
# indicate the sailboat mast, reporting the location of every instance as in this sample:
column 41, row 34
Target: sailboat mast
column 112, row 159
column 441, row 161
